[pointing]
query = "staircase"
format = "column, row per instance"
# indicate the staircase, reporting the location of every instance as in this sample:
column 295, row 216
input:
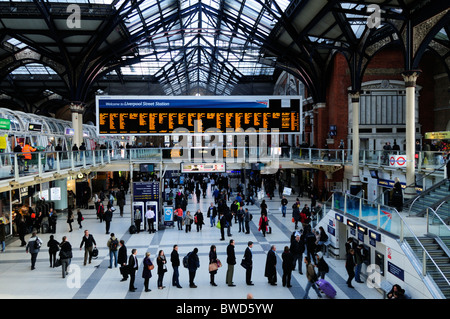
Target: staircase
column 440, row 257
column 432, row 198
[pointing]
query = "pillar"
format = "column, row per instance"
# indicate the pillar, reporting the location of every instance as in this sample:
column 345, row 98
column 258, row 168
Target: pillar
column 355, row 185
column 77, row 109
column 410, row 78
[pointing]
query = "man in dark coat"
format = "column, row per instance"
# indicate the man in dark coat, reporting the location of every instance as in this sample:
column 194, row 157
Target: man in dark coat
column 122, row 260
column 271, row 266
column 133, row 266
column 193, row 263
column 175, row 259
column 350, row 266
column 231, row 261
column 247, row 263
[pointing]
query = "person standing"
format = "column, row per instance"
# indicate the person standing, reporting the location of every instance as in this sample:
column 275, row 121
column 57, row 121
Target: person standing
column 193, row 264
column 3, row 234
column 359, row 261
column 263, row 223
column 52, row 221
column 162, row 268
column 122, row 260
column 53, row 248
column 147, row 270
column 247, row 263
column 288, row 266
column 322, row 266
column 137, row 219
column 150, row 216
column 133, row 266
column 89, row 243
column 175, row 259
column 312, row 278
column 231, row 261
column 108, row 218
column 213, row 261
column 223, row 222
column 247, row 218
column 65, row 255
column 33, row 247
column 297, row 249
column 113, row 245
column 271, row 266
column 350, row 266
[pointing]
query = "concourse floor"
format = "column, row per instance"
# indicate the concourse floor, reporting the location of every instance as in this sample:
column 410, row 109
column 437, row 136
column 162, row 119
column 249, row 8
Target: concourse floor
column 97, row 281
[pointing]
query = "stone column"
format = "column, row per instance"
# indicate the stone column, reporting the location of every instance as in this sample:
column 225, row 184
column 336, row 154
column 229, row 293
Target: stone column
column 410, row 78
column 77, row 109
column 355, row 185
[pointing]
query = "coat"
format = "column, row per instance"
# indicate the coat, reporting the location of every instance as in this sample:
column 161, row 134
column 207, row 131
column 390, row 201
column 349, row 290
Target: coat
column 175, row 258
column 288, row 261
column 247, row 260
column 162, row 264
column 271, row 264
column 146, row 273
column 122, row 255
column 193, row 262
column 231, row 257
column 213, row 259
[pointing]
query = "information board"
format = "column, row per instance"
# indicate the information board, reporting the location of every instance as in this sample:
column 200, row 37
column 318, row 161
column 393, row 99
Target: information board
column 154, row 115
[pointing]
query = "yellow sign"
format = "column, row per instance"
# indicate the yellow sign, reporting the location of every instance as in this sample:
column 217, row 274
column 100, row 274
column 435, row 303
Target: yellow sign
column 445, row 135
column 3, row 141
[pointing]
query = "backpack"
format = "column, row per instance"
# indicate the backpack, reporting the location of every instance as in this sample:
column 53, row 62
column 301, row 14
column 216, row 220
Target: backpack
column 114, row 244
column 186, row 260
column 37, row 243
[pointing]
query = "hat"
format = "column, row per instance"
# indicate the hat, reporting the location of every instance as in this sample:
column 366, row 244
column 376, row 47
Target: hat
column 319, row 254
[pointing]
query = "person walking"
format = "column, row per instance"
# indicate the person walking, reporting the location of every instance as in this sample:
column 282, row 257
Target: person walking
column 198, row 219
column 33, row 247
column 80, row 218
column 113, row 245
column 271, row 266
column 231, row 261
column 70, row 219
column 65, row 255
column 213, row 264
column 89, row 243
column 247, row 263
column 137, row 219
column 53, row 248
column 311, row 276
column 240, row 217
column 122, row 260
column 284, row 203
column 193, row 264
column 188, row 220
column 212, row 214
column 147, row 270
column 350, row 266
column 263, row 223
column 179, row 214
column 162, row 268
column 322, row 266
column 175, row 259
column 288, row 266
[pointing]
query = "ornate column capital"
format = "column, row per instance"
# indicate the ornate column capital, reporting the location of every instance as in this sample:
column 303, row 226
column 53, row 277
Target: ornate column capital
column 410, row 77
column 354, row 95
column 77, row 107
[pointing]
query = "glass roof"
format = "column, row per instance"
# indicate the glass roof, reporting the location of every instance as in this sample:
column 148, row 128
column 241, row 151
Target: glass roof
column 192, row 44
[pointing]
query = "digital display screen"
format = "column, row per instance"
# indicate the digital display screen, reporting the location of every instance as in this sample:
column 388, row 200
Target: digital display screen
column 203, row 168
column 162, row 115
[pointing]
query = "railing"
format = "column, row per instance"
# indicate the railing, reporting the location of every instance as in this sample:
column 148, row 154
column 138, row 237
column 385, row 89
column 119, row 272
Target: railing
column 388, row 219
column 13, row 165
column 422, row 206
column 437, row 226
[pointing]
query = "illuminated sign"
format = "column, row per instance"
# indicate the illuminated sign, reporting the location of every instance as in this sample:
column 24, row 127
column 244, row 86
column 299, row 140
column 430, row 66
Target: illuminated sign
column 153, row 115
column 203, row 168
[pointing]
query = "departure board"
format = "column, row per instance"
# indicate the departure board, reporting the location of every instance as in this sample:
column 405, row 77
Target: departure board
column 150, row 115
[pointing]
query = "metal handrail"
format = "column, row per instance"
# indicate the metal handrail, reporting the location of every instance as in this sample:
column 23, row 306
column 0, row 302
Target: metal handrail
column 425, row 193
column 440, row 219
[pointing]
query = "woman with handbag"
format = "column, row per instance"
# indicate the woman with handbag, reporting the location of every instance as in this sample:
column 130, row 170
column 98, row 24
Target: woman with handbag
column 162, row 268
column 147, row 270
column 213, row 264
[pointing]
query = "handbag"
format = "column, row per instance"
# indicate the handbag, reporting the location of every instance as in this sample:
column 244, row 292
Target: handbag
column 151, row 267
column 57, row 262
column 219, row 263
column 213, row 267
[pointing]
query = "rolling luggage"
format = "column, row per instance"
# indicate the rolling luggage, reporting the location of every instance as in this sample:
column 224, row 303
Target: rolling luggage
column 326, row 288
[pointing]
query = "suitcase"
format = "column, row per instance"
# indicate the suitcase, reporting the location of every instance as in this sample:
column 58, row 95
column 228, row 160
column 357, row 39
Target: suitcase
column 133, row 229
column 326, row 288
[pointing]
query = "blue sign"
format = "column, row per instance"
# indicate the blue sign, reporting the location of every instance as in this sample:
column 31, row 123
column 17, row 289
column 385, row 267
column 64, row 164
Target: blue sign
column 396, row 271
column 168, row 213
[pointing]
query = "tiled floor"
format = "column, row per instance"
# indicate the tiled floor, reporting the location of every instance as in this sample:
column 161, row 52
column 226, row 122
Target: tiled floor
column 96, row 281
